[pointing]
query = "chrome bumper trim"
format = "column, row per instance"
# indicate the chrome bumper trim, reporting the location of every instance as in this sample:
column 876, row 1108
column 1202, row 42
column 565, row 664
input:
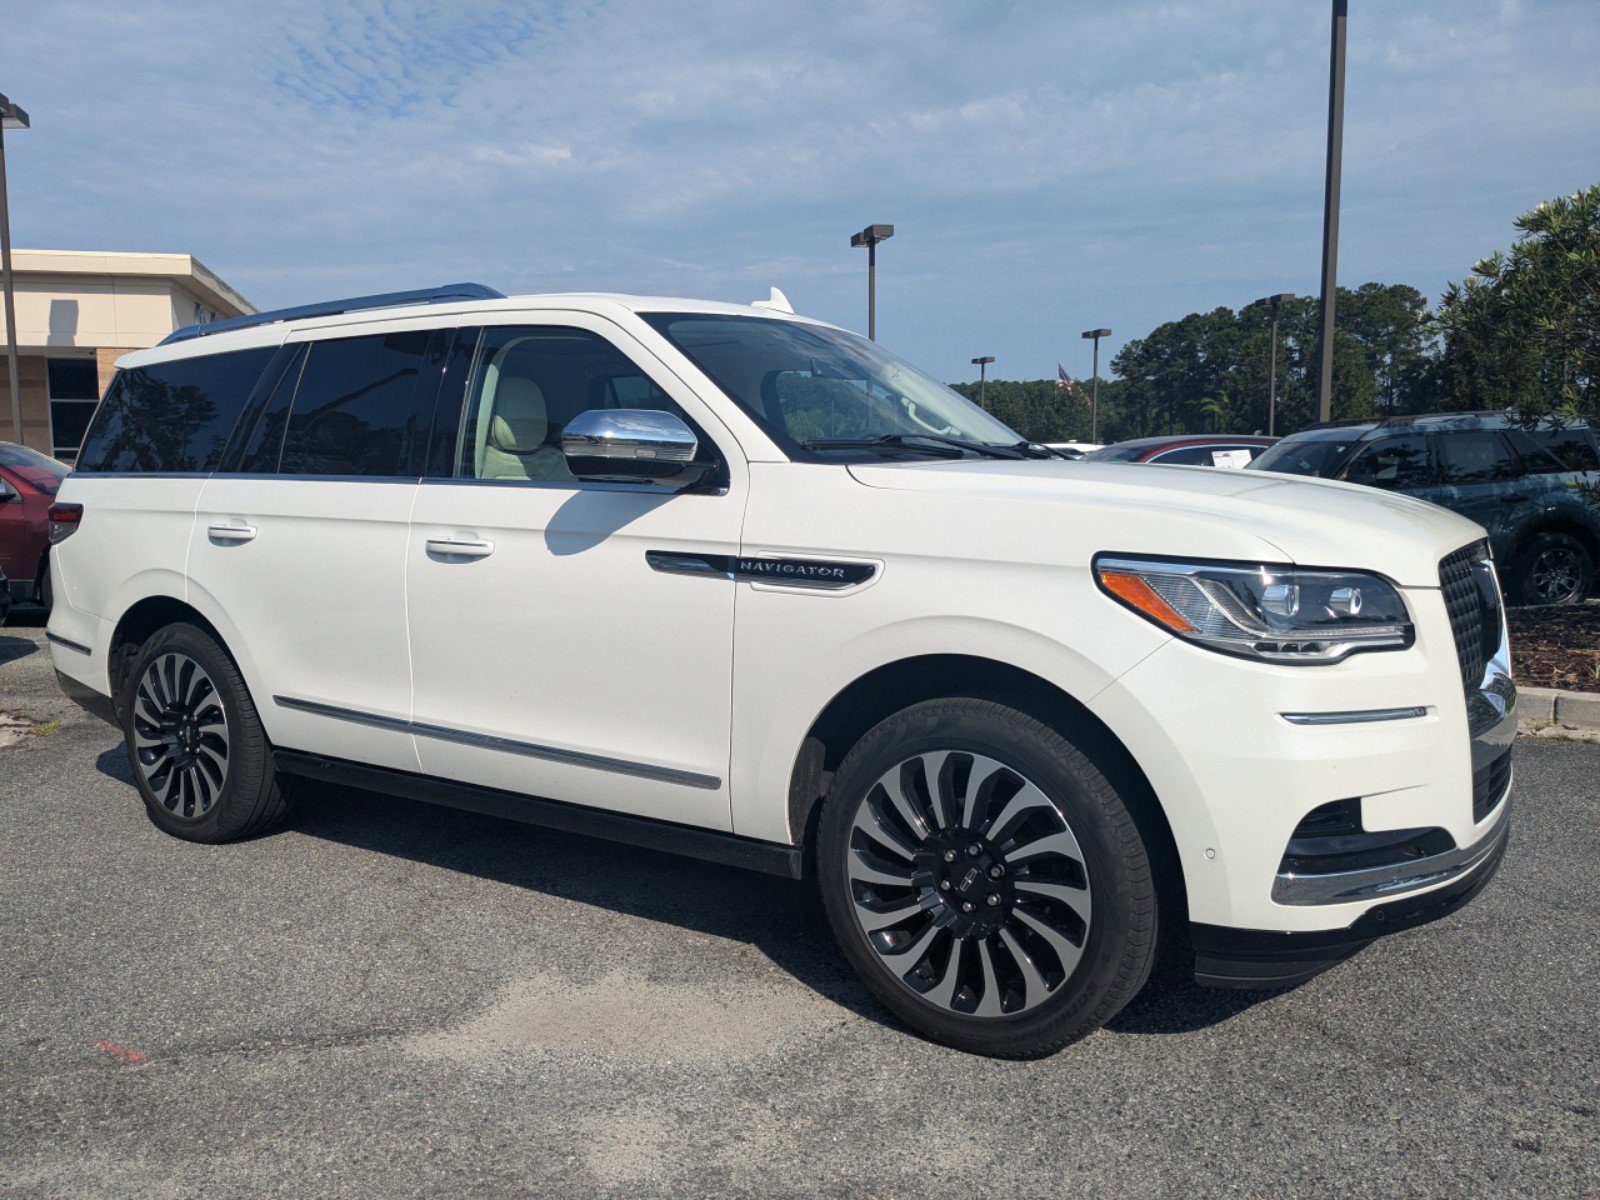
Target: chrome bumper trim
column 1373, row 883
column 1357, row 717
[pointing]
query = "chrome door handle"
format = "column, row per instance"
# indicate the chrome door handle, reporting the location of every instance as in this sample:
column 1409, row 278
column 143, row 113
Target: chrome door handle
column 231, row 533
column 461, row 547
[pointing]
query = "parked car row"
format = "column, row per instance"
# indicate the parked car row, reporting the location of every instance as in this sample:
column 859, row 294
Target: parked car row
column 28, row 485
column 1513, row 480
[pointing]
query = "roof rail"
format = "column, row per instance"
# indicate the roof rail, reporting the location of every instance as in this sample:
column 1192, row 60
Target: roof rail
column 329, row 308
column 1409, row 419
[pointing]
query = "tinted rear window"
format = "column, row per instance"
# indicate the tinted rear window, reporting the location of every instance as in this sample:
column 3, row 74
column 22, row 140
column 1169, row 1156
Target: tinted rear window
column 171, row 416
column 353, row 406
column 1573, row 447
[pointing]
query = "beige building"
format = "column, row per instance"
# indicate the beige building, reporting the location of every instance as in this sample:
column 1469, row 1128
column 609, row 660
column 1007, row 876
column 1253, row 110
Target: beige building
column 77, row 312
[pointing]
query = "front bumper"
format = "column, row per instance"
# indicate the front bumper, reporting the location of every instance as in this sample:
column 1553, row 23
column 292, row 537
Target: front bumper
column 1255, row 958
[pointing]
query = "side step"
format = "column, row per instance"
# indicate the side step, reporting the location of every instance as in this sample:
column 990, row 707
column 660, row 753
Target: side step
column 711, row 845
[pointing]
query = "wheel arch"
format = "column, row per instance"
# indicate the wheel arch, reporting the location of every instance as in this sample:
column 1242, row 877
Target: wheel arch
column 139, row 622
column 896, row 685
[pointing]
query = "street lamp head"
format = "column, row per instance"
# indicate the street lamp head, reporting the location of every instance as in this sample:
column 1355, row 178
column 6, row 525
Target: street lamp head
column 12, row 117
column 1096, row 333
column 872, row 235
column 1280, row 298
column 987, row 358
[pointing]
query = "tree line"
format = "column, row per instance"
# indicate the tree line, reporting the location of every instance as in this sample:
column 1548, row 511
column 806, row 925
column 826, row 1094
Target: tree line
column 1521, row 331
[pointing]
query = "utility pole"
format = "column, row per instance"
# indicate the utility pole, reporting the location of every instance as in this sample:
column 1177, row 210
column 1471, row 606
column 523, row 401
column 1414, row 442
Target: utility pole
column 11, row 117
column 1330, row 211
column 983, row 365
column 1094, row 383
column 1272, row 371
column 870, row 237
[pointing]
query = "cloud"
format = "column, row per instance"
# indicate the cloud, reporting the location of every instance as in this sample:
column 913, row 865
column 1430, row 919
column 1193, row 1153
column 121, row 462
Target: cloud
column 1048, row 167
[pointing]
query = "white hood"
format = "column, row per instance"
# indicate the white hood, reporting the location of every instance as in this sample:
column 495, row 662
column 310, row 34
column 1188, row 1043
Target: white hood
column 1312, row 522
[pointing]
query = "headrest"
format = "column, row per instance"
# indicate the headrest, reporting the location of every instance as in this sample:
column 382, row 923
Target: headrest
column 520, row 422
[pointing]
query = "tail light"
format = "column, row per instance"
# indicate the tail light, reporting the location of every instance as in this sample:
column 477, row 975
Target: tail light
column 64, row 521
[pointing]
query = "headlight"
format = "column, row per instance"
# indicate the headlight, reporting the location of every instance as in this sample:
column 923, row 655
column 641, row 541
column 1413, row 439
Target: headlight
column 1274, row 613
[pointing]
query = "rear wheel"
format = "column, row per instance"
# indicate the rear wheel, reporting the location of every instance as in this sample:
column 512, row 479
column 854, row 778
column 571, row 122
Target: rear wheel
column 1553, row 568
column 200, row 757
column 985, row 879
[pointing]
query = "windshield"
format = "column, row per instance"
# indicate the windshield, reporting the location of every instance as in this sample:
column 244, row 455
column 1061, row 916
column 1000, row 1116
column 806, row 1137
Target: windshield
column 808, row 386
column 36, row 470
column 1318, row 453
column 1126, row 452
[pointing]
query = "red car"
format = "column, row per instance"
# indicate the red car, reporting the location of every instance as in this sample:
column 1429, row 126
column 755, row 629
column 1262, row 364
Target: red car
column 1193, row 449
column 28, row 483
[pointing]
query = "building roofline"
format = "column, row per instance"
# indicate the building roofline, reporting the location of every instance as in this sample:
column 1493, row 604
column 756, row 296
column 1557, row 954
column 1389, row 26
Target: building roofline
column 185, row 269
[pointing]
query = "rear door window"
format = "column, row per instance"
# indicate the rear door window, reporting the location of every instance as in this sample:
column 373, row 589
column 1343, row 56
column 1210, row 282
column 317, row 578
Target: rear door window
column 353, row 411
column 1395, row 463
column 1476, row 457
column 1556, row 449
column 173, row 416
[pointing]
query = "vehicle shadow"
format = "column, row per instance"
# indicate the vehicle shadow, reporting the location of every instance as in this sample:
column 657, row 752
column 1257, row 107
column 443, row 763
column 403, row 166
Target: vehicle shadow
column 13, row 648
column 782, row 919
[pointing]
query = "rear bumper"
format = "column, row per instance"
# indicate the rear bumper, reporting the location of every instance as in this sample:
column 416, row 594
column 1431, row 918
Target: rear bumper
column 1260, row 958
column 86, row 698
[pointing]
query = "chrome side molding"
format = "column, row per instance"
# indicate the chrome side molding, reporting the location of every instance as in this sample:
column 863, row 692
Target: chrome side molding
column 465, row 737
column 1356, row 716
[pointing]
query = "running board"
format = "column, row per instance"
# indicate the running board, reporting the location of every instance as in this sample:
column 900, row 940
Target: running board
column 709, row 844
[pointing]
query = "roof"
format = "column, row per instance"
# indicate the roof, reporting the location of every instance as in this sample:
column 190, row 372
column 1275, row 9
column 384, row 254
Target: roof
column 184, row 269
column 275, row 325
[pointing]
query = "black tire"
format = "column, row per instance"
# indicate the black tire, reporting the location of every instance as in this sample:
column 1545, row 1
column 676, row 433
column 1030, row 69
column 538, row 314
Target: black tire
column 47, row 595
column 1118, row 927
column 1552, row 568
column 185, row 710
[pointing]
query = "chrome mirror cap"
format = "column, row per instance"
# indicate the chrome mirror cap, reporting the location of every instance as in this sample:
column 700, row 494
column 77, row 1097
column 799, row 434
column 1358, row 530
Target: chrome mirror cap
column 638, row 444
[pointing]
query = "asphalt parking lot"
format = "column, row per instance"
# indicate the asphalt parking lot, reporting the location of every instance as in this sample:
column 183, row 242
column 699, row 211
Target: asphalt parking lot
column 388, row 999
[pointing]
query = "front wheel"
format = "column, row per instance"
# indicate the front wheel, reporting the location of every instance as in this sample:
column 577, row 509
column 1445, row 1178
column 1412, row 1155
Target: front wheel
column 985, row 879
column 200, row 757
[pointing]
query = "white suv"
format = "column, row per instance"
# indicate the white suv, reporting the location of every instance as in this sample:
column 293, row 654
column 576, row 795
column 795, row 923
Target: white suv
column 741, row 585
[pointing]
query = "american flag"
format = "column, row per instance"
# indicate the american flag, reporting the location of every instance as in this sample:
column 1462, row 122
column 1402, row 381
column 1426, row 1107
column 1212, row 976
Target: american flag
column 1063, row 380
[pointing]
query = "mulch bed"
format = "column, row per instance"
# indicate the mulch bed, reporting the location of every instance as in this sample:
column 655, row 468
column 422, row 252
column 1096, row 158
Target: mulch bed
column 1556, row 647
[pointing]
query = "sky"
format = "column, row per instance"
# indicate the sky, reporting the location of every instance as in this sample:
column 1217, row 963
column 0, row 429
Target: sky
column 1048, row 167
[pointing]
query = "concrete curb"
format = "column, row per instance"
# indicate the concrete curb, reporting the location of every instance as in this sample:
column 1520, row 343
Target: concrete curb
column 1555, row 711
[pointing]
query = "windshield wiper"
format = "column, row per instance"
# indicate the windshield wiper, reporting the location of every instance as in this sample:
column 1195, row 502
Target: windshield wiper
column 924, row 443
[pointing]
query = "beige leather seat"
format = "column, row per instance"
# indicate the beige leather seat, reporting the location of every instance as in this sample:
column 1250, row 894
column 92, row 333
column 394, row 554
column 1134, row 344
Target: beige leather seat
column 515, row 446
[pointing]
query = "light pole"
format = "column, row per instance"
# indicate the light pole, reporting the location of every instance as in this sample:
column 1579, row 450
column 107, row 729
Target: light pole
column 1094, row 384
column 983, row 365
column 1330, row 210
column 1273, row 302
column 11, row 117
column 870, row 237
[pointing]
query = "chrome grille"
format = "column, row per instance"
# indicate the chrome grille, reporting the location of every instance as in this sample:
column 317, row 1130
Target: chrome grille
column 1469, row 618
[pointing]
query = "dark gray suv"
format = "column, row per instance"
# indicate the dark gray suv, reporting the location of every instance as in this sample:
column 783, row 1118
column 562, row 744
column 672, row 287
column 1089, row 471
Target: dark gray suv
column 1514, row 480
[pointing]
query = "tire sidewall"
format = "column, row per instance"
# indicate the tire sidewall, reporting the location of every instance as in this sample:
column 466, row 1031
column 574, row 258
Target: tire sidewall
column 1078, row 789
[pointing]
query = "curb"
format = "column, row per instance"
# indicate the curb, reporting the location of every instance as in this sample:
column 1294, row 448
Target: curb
column 1555, row 711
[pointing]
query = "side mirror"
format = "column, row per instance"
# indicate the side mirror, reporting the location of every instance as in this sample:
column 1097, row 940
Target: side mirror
column 631, row 445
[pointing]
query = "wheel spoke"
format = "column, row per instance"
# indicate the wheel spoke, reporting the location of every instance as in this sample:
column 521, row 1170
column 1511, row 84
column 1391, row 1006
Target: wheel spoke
column 1029, row 797
column 868, row 823
column 932, row 774
column 1066, row 951
column 1062, row 843
column 944, row 991
column 865, row 872
column 873, row 919
column 901, row 961
column 983, row 770
column 1075, row 898
column 1035, row 989
column 990, row 1005
column 890, row 784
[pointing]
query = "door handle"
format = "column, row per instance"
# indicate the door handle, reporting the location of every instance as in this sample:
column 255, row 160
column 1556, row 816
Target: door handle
column 237, row 532
column 461, row 547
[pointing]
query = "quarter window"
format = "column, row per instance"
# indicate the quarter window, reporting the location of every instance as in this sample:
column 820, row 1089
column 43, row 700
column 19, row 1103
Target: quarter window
column 172, row 416
column 527, row 383
column 353, row 407
column 1392, row 462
